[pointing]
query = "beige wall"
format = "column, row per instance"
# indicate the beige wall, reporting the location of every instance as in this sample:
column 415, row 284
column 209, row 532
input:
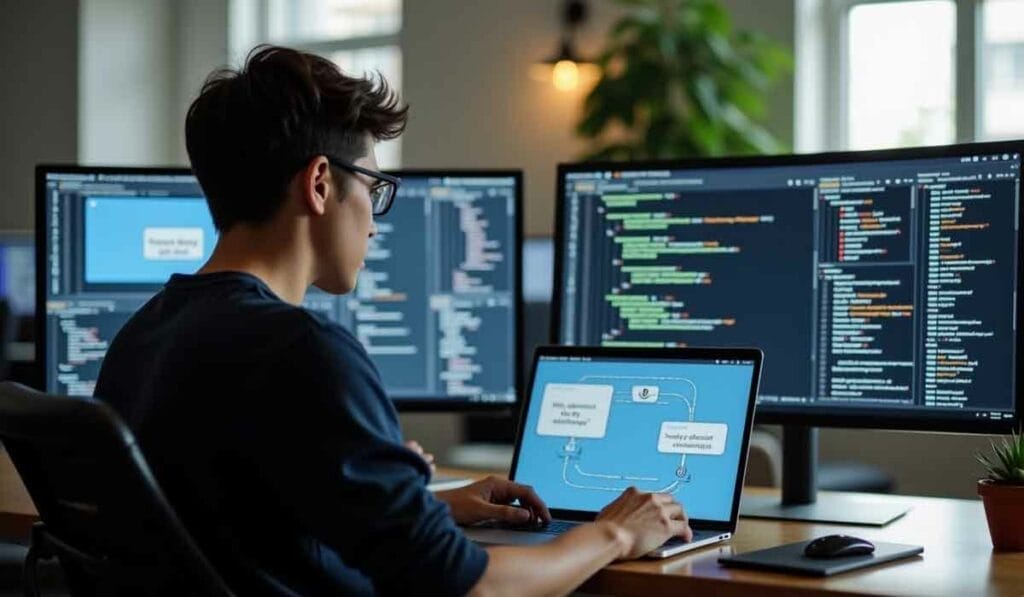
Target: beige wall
column 474, row 103
column 142, row 63
column 937, row 464
column 38, row 98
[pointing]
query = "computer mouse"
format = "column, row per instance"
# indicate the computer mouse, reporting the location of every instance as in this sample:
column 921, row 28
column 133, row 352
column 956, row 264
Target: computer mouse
column 838, row 546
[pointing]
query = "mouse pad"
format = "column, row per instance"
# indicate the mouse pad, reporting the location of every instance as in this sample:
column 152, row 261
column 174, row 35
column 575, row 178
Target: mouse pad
column 790, row 558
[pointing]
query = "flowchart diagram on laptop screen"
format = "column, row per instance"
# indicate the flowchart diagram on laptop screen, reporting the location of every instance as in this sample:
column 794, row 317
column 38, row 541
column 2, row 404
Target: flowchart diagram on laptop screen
column 595, row 428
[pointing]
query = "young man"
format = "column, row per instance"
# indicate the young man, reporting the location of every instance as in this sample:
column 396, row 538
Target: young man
column 267, row 425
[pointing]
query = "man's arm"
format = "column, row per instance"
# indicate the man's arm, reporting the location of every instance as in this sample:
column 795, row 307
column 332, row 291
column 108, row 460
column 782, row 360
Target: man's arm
column 554, row 568
column 631, row 526
column 339, row 472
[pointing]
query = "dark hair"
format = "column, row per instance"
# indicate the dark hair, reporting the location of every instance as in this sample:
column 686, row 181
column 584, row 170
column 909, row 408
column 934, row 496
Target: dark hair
column 251, row 130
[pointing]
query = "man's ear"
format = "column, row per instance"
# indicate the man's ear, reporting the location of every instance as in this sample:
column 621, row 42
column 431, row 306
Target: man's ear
column 315, row 185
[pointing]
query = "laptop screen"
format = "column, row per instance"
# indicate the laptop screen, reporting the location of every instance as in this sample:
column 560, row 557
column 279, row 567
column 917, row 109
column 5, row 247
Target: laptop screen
column 597, row 425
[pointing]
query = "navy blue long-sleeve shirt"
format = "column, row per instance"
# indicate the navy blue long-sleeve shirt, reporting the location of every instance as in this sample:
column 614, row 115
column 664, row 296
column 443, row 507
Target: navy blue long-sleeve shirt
column 269, row 431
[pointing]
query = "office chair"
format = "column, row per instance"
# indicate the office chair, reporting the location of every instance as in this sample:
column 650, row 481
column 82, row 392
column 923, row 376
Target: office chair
column 7, row 323
column 103, row 515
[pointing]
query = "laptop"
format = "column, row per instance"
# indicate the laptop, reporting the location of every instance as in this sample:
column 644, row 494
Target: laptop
column 599, row 420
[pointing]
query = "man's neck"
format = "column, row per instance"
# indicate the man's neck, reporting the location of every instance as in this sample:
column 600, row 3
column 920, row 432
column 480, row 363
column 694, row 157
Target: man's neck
column 266, row 254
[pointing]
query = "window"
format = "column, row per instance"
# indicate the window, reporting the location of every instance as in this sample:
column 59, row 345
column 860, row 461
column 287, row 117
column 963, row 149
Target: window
column 360, row 36
column 900, row 86
column 1002, row 73
column 327, row 20
column 890, row 73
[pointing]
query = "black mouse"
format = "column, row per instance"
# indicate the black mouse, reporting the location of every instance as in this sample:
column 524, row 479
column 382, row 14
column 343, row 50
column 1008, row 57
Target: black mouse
column 838, row 546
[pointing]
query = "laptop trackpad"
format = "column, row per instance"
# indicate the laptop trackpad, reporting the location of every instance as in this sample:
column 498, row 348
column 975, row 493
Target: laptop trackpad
column 507, row 537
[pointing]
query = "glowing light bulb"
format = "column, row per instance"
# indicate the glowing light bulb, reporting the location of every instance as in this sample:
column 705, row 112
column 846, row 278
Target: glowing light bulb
column 565, row 75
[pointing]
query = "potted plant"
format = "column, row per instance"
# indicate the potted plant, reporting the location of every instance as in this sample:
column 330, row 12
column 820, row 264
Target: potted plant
column 1002, row 492
column 677, row 80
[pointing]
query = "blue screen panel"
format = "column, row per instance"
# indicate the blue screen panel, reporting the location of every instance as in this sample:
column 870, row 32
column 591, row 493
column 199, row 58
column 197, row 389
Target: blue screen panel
column 140, row 240
column 595, row 428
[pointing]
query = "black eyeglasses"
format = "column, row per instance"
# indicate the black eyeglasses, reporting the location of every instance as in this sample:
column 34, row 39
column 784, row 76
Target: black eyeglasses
column 382, row 193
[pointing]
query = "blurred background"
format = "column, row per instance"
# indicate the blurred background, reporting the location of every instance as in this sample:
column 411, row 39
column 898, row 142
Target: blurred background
column 519, row 84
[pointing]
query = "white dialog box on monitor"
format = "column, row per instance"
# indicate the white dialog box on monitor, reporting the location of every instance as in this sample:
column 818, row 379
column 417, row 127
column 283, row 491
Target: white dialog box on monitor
column 172, row 244
column 683, row 437
column 645, row 394
column 575, row 410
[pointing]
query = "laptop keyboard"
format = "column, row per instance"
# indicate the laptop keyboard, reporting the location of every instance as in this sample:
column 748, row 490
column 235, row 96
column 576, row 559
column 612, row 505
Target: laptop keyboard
column 557, row 527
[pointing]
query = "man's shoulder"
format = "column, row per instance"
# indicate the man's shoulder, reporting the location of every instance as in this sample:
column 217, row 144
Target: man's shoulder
column 321, row 332
column 249, row 325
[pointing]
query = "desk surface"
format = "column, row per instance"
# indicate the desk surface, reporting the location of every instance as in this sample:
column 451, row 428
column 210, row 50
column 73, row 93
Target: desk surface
column 957, row 560
column 16, row 510
column 958, row 557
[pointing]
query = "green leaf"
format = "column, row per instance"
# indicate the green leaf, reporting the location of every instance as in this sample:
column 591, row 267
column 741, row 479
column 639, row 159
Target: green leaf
column 686, row 83
column 705, row 92
column 715, row 18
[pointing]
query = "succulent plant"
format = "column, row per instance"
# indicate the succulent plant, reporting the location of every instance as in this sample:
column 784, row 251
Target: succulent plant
column 1006, row 463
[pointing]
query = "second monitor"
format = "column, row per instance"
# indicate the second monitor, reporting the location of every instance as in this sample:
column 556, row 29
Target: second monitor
column 437, row 306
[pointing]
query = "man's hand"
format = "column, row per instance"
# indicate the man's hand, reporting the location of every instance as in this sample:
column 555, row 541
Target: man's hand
column 427, row 456
column 645, row 520
column 491, row 499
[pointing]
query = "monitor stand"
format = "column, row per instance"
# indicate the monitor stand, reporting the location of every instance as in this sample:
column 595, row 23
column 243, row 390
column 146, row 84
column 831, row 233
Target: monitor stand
column 800, row 498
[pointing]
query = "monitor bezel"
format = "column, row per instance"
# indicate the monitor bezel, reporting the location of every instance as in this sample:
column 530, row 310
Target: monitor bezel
column 425, row 404
column 433, row 404
column 660, row 354
column 766, row 414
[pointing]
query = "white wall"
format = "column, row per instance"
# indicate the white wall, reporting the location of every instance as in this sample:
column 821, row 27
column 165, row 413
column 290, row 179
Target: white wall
column 202, row 46
column 126, row 53
column 38, row 98
column 141, row 63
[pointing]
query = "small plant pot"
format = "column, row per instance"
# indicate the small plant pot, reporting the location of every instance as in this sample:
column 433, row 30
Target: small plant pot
column 1004, row 508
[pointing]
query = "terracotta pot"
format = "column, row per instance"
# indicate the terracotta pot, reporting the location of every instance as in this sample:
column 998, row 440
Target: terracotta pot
column 1004, row 508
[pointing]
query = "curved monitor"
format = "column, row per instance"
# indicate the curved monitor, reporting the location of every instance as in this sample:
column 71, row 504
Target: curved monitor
column 882, row 286
column 437, row 306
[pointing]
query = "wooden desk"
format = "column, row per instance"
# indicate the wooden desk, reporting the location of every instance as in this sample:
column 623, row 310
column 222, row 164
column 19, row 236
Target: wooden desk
column 17, row 513
column 958, row 558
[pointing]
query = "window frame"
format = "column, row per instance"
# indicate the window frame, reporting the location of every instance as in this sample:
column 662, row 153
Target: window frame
column 249, row 25
column 829, row 80
column 257, row 30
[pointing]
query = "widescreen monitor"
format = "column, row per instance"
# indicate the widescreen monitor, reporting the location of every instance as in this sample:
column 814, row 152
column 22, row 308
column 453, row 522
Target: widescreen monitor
column 883, row 286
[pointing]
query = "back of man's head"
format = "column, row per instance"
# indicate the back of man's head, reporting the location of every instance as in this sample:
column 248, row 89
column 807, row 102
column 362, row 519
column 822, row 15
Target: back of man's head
column 251, row 130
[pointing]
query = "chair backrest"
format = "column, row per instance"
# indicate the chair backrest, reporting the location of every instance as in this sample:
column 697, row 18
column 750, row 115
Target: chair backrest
column 103, row 513
column 7, row 330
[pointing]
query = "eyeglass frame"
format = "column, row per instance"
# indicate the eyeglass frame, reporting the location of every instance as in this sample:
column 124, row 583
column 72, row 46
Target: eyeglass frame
column 393, row 181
